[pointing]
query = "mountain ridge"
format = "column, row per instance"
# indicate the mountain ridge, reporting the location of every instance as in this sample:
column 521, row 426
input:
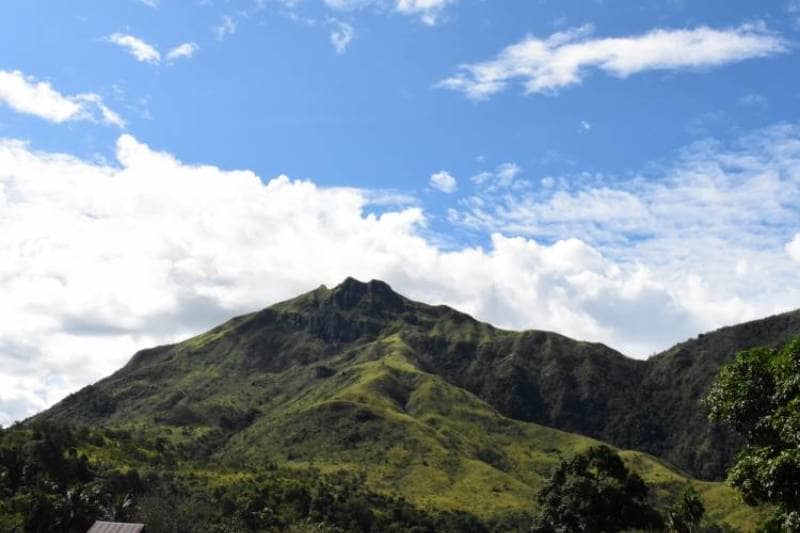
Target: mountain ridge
column 533, row 376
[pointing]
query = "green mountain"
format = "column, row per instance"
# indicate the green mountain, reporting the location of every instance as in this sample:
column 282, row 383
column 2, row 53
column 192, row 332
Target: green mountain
column 672, row 421
column 424, row 401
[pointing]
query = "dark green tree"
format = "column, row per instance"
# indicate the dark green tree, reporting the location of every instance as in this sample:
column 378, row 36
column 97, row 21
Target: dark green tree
column 758, row 395
column 594, row 491
column 686, row 515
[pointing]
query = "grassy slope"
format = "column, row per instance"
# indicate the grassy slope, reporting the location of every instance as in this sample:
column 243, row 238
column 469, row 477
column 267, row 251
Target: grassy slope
column 359, row 378
column 372, row 410
column 413, row 433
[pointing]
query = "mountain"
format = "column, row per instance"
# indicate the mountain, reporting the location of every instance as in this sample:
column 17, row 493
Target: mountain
column 653, row 405
column 425, row 401
column 672, row 421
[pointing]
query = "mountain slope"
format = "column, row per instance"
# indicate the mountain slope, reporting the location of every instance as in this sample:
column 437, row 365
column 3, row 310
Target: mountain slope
column 360, row 377
column 653, row 405
column 675, row 381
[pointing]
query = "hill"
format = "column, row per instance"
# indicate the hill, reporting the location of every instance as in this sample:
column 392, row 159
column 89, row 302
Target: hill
column 423, row 400
column 673, row 423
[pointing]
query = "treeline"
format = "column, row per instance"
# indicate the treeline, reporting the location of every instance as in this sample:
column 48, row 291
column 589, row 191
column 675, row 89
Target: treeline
column 58, row 478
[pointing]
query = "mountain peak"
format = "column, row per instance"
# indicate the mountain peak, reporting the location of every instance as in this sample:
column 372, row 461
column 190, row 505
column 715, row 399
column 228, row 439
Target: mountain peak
column 374, row 294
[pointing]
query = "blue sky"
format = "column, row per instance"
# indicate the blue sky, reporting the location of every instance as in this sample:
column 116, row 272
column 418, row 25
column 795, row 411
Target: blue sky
column 275, row 97
column 626, row 172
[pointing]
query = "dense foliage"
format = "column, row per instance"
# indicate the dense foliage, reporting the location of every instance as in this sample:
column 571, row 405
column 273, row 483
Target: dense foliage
column 758, row 395
column 48, row 483
column 594, row 491
column 686, row 516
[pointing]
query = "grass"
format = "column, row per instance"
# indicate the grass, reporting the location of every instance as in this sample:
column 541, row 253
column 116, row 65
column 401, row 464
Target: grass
column 302, row 385
column 415, row 435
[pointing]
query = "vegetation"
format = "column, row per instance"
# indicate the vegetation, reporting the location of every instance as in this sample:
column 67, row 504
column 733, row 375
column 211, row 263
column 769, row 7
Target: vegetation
column 758, row 395
column 50, row 483
column 421, row 405
column 594, row 491
column 245, row 369
column 687, row 514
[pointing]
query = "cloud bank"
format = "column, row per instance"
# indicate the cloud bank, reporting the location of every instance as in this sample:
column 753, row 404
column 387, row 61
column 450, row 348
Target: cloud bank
column 717, row 229
column 24, row 94
column 98, row 261
column 565, row 58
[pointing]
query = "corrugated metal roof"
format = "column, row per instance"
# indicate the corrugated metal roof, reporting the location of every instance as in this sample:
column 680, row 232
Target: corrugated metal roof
column 115, row 527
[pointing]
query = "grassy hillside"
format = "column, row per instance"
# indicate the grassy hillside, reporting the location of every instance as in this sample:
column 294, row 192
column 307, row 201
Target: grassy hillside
column 412, row 397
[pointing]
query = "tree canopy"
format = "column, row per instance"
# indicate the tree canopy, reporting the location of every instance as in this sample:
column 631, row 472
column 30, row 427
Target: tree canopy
column 758, row 395
column 594, row 491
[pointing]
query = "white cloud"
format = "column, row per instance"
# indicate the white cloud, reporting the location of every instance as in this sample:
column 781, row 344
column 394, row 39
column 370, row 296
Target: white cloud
column 148, row 53
column 341, row 5
column 136, row 47
column 98, row 261
column 150, row 3
column 444, row 182
column 503, row 177
column 564, row 58
column 584, row 127
column 711, row 230
column 24, row 94
column 341, row 35
column 793, row 248
column 227, row 26
column 506, row 173
column 429, row 11
column 185, row 50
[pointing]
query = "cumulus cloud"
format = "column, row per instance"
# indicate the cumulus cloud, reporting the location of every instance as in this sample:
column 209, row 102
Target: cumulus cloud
column 712, row 228
column 98, row 261
column 793, row 248
column 136, row 47
column 185, row 50
column 341, row 35
column 24, row 94
column 565, row 58
column 444, row 182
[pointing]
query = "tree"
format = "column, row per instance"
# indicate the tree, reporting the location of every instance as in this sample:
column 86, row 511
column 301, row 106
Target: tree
column 758, row 395
column 594, row 491
column 685, row 516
